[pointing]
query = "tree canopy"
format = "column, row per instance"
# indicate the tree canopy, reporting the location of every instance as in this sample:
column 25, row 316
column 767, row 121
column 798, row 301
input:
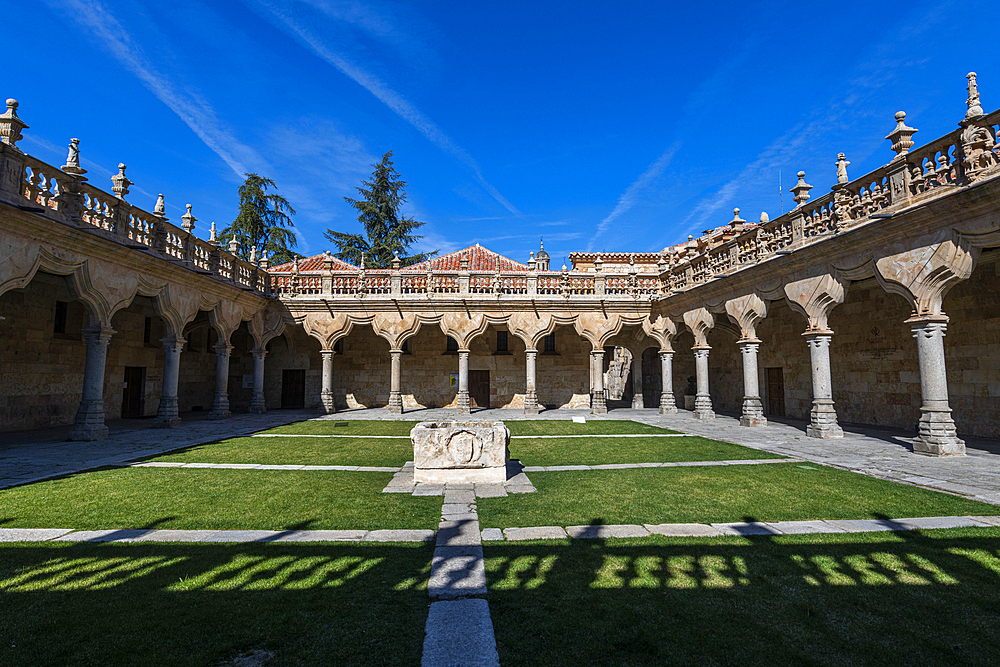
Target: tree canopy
column 262, row 223
column 386, row 232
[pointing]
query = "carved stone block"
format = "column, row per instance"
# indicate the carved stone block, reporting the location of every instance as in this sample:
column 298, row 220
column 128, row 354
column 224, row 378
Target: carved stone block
column 460, row 452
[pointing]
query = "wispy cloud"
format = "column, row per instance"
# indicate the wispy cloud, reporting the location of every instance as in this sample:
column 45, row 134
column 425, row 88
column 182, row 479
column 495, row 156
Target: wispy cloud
column 392, row 99
column 633, row 192
column 189, row 105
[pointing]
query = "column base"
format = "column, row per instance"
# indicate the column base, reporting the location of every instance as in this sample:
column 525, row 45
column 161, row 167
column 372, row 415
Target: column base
column 257, row 405
column 753, row 412
column 463, row 404
column 166, row 415
column 598, row 406
column 703, row 407
column 220, row 410
column 637, row 402
column 530, row 403
column 395, row 405
column 937, row 435
column 326, row 404
column 823, row 421
column 89, row 423
column 668, row 404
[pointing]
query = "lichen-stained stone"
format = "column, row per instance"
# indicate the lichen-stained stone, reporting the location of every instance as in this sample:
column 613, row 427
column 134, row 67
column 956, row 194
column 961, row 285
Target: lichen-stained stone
column 456, row 452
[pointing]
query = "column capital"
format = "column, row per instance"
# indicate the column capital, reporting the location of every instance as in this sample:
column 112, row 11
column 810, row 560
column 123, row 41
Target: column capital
column 258, row 351
column 919, row 321
column 748, row 341
column 393, row 350
column 223, row 348
column 98, row 334
column 330, row 352
column 814, row 334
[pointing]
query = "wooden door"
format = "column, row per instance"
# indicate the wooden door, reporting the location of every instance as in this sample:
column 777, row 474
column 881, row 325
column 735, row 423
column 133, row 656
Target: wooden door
column 479, row 388
column 293, row 388
column 133, row 391
column 775, row 392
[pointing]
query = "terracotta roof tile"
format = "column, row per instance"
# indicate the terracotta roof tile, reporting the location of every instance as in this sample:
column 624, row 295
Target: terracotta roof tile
column 314, row 264
column 480, row 260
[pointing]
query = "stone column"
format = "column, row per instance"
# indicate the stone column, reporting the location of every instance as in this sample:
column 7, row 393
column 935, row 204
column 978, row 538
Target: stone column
column 462, row 402
column 936, row 429
column 597, row 405
column 326, row 405
column 753, row 409
column 167, row 414
column 258, row 405
column 530, row 397
column 89, row 424
column 668, row 404
column 822, row 418
column 702, row 400
column 220, row 407
column 637, row 403
column 395, row 395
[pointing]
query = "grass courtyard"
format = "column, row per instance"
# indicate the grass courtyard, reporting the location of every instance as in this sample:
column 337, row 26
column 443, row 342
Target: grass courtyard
column 811, row 599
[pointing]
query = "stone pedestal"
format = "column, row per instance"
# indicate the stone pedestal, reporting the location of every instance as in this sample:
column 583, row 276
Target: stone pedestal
column 89, row 424
column 460, row 452
column 753, row 409
column 530, row 396
column 668, row 404
column 597, row 403
column 326, row 405
column 702, row 399
column 395, row 405
column 462, row 402
column 167, row 415
column 822, row 417
column 936, row 429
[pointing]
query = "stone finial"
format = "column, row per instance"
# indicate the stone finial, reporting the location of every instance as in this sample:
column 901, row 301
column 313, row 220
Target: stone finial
column 213, row 238
column 120, row 182
column 801, row 190
column 564, row 269
column 11, row 125
column 901, row 137
column 396, row 262
column 842, row 169
column 160, row 209
column 764, row 218
column 253, row 254
column 598, row 264
column 327, row 261
column 463, row 262
column 265, row 262
column 975, row 110
column 295, row 266
column 72, row 165
column 362, row 267
column 234, row 246
column 188, row 220
column 737, row 222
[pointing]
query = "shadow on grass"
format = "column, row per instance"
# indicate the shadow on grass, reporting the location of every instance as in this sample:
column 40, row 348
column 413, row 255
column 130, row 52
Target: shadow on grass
column 875, row 598
column 195, row 604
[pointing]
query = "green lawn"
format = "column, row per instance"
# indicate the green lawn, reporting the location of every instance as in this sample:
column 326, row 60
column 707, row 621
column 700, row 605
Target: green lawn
column 567, row 427
column 299, row 451
column 586, row 451
column 353, row 427
column 177, row 605
column 763, row 492
column 192, row 498
column 864, row 599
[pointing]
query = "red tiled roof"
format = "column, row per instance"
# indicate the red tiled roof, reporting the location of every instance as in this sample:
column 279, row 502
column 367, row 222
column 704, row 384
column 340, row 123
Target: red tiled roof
column 315, row 264
column 615, row 257
column 480, row 260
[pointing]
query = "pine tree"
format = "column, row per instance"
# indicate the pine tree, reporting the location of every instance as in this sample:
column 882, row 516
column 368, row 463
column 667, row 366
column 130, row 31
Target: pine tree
column 262, row 223
column 386, row 233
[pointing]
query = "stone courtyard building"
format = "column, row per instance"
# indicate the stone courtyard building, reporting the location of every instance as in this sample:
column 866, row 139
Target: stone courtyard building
column 835, row 312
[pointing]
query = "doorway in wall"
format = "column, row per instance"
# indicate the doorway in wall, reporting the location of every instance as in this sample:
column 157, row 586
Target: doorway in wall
column 293, row 388
column 479, row 388
column 134, row 392
column 775, row 392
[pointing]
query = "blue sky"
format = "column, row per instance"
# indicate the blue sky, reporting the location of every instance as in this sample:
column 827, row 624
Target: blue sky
column 598, row 126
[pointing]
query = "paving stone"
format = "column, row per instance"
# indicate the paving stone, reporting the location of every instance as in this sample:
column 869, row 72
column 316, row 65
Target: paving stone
column 323, row 536
column 459, row 632
column 487, row 490
column 927, row 523
column 428, row 490
column 457, row 571
column 176, row 536
column 745, row 528
column 398, row 489
column 244, row 536
column 199, row 465
column 282, row 467
column 565, row 468
column 519, row 479
column 102, row 535
column 682, row 530
column 866, row 525
column 457, row 508
column 31, row 534
column 614, row 466
column 803, row 527
column 988, row 520
column 158, row 464
column 377, row 469
column 459, row 486
column 492, row 535
column 521, row 488
column 399, row 536
column 534, row 533
column 458, row 533
column 533, row 469
column 602, row 531
column 466, row 496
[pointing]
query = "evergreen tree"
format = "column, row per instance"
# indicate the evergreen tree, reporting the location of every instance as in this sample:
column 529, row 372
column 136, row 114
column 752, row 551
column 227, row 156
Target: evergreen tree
column 262, row 223
column 386, row 233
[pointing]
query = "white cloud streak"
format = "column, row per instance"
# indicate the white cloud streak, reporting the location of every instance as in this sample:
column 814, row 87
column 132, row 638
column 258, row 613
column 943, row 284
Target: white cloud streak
column 633, row 192
column 190, row 106
column 392, row 99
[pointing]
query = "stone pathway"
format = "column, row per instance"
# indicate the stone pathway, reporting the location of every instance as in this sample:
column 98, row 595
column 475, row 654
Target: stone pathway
column 517, row 482
column 259, row 466
column 672, row 464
